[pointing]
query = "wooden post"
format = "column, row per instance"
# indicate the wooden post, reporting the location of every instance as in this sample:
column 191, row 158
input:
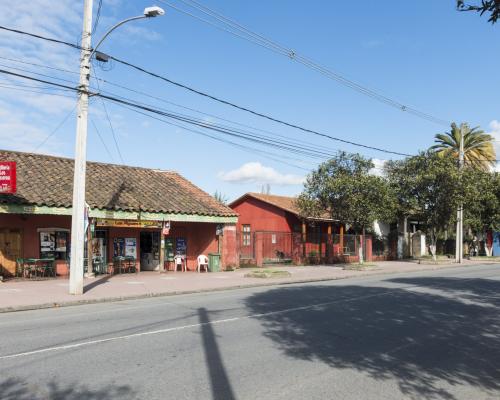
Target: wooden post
column 341, row 240
column 329, row 248
column 162, row 252
column 90, row 272
column 304, row 238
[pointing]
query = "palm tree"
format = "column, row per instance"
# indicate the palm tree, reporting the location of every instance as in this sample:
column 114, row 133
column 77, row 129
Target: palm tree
column 478, row 146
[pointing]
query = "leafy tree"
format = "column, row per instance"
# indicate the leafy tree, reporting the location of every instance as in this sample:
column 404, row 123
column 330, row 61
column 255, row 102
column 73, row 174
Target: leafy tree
column 221, row 198
column 481, row 201
column 344, row 187
column 491, row 7
column 479, row 151
column 427, row 186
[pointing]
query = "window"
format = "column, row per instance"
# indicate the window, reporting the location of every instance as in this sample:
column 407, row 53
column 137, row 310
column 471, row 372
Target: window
column 246, row 237
column 54, row 243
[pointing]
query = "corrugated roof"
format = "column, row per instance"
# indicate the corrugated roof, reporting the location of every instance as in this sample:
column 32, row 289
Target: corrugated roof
column 48, row 181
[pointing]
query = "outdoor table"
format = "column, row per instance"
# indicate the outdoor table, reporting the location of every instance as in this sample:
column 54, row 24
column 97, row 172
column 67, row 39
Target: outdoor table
column 124, row 264
column 36, row 268
column 99, row 266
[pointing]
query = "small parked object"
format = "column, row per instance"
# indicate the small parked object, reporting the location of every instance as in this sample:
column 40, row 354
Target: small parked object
column 202, row 262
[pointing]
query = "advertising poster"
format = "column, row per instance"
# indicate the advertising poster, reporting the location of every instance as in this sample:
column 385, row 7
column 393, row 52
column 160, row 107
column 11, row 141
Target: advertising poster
column 119, row 247
column 47, row 242
column 130, row 247
column 169, row 249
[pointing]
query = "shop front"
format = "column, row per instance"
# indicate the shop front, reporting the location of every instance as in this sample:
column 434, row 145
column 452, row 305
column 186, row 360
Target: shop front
column 138, row 219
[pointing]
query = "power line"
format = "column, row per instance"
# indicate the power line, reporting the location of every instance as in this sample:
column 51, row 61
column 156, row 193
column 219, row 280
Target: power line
column 291, row 125
column 247, row 34
column 258, row 140
column 34, row 91
column 253, row 150
column 55, row 129
column 98, row 15
column 75, row 46
column 109, row 122
column 102, row 140
column 224, row 101
column 156, row 98
column 262, row 141
column 39, row 65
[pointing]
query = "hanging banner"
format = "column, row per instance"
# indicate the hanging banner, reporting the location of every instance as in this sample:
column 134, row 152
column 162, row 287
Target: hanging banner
column 8, row 180
column 122, row 223
column 166, row 228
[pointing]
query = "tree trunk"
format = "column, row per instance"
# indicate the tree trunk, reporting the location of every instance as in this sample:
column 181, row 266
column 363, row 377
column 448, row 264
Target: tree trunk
column 361, row 244
column 432, row 245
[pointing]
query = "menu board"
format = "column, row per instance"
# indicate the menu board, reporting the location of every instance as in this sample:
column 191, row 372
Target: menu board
column 47, row 242
column 180, row 246
column 169, row 249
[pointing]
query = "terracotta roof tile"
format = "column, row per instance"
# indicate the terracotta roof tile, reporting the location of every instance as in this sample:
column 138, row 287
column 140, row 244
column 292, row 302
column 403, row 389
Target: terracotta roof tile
column 48, row 181
column 286, row 203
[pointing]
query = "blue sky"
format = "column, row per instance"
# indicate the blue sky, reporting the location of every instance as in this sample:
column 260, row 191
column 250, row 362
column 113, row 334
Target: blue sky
column 424, row 54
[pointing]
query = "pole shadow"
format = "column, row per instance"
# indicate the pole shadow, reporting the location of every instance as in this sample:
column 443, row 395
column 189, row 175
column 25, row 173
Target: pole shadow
column 219, row 381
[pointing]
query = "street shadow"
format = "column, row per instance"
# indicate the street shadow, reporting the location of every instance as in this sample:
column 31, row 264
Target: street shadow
column 428, row 336
column 97, row 282
column 17, row 389
column 219, row 381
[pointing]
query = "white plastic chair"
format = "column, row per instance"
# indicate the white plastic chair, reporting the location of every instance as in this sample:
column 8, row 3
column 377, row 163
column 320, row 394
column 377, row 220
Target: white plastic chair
column 179, row 260
column 202, row 262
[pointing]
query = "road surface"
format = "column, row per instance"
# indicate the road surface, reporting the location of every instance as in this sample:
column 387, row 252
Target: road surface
column 423, row 335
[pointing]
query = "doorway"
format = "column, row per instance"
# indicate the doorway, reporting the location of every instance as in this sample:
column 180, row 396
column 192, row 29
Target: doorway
column 150, row 251
column 10, row 250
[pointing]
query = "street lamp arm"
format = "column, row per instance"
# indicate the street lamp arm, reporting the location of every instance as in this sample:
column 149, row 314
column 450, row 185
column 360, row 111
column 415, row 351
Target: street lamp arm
column 113, row 28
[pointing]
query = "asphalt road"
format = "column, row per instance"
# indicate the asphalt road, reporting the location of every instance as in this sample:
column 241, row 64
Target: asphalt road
column 432, row 335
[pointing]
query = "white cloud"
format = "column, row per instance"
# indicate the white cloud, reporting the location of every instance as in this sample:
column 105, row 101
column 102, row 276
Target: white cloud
column 255, row 172
column 27, row 118
column 379, row 165
column 495, row 132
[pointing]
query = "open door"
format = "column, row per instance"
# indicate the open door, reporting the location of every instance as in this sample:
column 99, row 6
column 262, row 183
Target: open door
column 10, row 250
column 150, row 251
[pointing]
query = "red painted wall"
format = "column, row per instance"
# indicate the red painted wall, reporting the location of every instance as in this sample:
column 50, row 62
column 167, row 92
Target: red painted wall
column 201, row 237
column 262, row 216
column 28, row 224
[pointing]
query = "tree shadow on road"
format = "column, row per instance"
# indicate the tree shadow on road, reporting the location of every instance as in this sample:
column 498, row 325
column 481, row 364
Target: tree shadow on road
column 17, row 389
column 429, row 335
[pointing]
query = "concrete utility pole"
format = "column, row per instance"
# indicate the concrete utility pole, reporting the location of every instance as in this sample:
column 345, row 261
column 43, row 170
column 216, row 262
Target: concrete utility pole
column 459, row 245
column 77, row 219
column 78, row 215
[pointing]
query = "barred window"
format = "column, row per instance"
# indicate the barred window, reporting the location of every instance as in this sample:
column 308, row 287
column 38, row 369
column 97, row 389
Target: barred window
column 246, row 236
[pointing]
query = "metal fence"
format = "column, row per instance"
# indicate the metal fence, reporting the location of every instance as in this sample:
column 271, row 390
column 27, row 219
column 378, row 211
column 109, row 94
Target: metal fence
column 284, row 247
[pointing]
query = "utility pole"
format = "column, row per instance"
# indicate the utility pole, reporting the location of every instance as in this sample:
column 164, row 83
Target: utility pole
column 459, row 245
column 78, row 212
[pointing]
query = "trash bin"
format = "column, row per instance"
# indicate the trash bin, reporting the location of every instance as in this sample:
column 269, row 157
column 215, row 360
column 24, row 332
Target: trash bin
column 214, row 262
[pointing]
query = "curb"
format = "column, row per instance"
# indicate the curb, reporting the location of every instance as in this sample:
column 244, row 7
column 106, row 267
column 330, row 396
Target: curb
column 220, row 289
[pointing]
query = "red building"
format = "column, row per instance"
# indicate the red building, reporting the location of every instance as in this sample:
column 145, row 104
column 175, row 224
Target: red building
column 129, row 208
column 270, row 229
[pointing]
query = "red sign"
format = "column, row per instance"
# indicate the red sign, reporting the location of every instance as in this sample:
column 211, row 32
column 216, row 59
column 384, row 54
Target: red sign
column 7, row 177
column 166, row 228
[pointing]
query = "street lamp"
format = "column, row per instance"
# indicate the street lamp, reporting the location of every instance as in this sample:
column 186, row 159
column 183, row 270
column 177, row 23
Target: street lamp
column 78, row 208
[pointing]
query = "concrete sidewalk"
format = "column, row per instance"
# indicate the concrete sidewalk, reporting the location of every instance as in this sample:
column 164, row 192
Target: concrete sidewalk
column 26, row 295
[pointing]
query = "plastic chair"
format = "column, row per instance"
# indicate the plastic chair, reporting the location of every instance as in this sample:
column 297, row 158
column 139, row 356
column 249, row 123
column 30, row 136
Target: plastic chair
column 202, row 262
column 179, row 260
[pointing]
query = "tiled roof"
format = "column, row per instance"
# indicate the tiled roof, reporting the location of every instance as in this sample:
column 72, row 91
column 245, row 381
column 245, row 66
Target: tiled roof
column 286, row 203
column 48, row 181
